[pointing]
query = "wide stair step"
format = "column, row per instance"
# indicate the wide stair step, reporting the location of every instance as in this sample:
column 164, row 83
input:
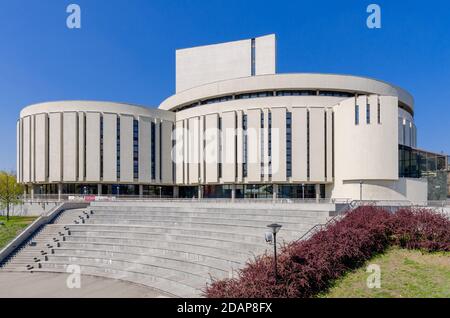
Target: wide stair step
column 170, row 247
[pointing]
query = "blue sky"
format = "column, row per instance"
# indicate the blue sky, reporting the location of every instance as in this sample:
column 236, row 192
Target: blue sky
column 125, row 50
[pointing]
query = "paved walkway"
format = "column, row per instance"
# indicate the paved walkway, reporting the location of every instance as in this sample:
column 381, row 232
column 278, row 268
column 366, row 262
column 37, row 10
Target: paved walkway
column 53, row 285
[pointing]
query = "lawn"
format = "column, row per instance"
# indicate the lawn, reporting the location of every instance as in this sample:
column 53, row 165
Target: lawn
column 12, row 228
column 404, row 273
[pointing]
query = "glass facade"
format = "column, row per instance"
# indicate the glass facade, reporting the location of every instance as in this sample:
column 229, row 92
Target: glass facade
column 294, row 191
column 415, row 163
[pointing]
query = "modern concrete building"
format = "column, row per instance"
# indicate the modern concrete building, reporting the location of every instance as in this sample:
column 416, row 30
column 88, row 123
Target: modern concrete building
column 234, row 128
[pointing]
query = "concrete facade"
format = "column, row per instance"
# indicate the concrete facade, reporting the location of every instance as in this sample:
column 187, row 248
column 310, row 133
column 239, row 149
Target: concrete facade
column 232, row 123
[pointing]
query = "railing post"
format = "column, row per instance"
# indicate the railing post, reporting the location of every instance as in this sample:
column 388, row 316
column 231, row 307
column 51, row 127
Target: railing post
column 317, row 186
column 275, row 192
column 59, row 191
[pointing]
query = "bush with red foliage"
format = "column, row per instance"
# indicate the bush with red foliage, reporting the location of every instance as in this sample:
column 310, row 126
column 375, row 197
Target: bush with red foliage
column 421, row 229
column 307, row 268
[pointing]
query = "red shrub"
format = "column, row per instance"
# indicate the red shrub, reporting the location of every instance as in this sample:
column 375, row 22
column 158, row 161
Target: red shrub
column 305, row 268
column 308, row 267
column 421, row 229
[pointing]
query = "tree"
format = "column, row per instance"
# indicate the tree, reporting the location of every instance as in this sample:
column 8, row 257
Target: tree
column 10, row 191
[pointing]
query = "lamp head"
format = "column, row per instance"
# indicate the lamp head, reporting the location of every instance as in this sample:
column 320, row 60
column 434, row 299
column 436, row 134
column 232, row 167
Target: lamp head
column 274, row 227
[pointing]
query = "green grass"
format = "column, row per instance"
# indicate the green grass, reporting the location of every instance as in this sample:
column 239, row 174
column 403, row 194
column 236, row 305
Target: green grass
column 404, row 274
column 13, row 227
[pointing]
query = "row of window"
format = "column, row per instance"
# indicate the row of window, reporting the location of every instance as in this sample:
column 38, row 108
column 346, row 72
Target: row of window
column 357, row 111
column 288, row 144
column 267, row 94
column 407, row 133
column 135, row 148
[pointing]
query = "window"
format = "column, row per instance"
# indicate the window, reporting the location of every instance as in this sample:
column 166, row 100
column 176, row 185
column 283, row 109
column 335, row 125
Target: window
column 368, row 113
column 85, row 147
column 215, row 100
column 262, row 144
column 356, row 114
column 296, row 93
column 332, row 142
column 153, row 150
column 379, row 113
column 159, row 150
column 307, row 146
column 135, row 149
column 118, row 148
column 174, row 170
column 101, row 146
column 253, row 57
column 249, row 95
column 335, row 94
column 404, row 132
column 244, row 144
column 219, row 165
column 270, row 143
column 47, row 169
column 254, row 95
column 325, row 142
column 288, row 144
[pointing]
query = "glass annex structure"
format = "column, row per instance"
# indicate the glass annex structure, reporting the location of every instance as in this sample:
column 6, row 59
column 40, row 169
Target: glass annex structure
column 233, row 128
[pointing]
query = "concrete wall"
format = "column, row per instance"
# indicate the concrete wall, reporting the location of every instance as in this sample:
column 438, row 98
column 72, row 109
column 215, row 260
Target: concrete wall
column 55, row 151
column 211, row 63
column 92, row 146
column 414, row 190
column 366, row 151
column 109, row 147
column 327, row 146
column 294, row 81
column 145, row 159
column 60, row 142
column 70, row 146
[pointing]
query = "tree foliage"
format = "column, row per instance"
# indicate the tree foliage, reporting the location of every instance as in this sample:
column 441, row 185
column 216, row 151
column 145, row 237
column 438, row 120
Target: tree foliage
column 10, row 191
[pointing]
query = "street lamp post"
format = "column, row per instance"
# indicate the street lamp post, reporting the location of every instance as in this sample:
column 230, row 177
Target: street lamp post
column 275, row 229
column 360, row 190
column 254, row 191
column 160, row 192
column 303, row 191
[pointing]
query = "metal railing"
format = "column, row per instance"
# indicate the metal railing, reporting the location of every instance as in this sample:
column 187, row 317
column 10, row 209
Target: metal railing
column 41, row 198
column 319, row 227
column 391, row 205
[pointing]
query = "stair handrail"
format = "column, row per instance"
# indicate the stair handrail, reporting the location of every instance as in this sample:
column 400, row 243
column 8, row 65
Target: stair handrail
column 31, row 229
column 318, row 227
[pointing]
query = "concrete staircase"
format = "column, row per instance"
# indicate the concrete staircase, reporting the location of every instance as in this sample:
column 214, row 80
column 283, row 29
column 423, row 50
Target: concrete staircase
column 174, row 247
